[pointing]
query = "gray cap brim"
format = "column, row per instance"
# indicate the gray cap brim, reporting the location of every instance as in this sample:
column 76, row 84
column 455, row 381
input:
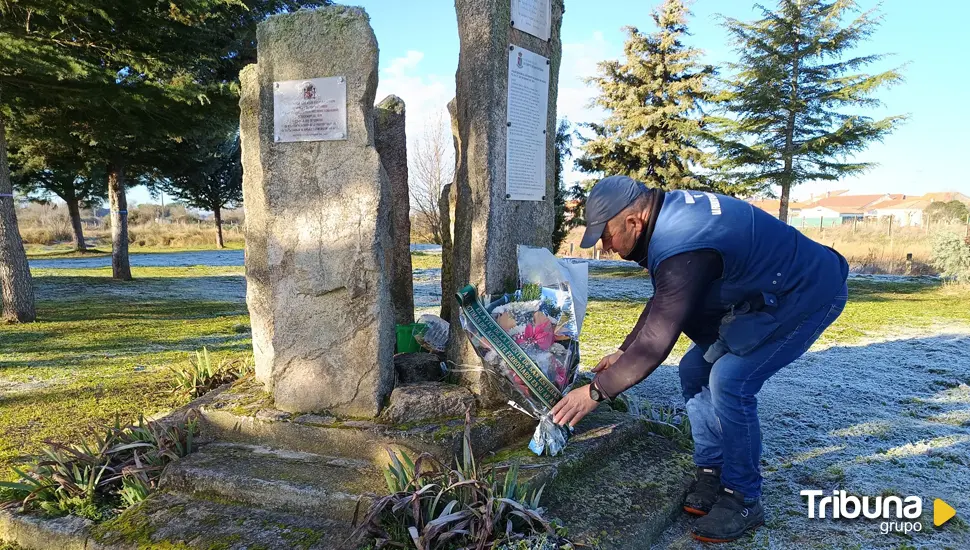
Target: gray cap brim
column 592, row 234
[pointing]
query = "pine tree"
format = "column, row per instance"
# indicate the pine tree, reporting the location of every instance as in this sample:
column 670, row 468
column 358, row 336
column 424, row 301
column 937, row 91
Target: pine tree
column 654, row 103
column 788, row 107
column 77, row 188
column 45, row 168
column 563, row 143
column 16, row 287
column 155, row 74
column 36, row 65
column 210, row 179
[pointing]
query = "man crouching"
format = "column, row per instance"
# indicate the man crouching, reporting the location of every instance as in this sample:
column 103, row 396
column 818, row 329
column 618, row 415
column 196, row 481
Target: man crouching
column 751, row 292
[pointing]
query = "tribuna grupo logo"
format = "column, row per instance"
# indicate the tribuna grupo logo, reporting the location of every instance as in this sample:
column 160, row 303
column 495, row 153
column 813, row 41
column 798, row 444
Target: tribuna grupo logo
column 896, row 512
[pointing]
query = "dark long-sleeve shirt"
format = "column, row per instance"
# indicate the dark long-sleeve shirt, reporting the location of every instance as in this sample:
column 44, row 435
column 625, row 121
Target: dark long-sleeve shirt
column 681, row 283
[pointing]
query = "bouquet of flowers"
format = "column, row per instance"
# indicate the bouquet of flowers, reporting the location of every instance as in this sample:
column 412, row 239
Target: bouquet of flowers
column 530, row 338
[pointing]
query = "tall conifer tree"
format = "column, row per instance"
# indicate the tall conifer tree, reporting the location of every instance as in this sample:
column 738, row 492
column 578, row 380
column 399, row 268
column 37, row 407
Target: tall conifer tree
column 793, row 105
column 37, row 65
column 653, row 98
column 155, row 74
column 210, row 178
column 563, row 143
column 47, row 162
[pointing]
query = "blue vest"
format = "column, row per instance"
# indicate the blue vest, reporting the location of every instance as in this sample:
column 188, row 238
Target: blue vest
column 774, row 277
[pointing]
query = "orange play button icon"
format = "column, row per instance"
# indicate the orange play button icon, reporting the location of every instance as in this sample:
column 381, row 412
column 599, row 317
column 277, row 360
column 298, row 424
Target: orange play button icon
column 942, row 512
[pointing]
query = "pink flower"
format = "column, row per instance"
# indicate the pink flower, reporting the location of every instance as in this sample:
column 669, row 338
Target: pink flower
column 540, row 335
column 557, row 373
column 560, row 375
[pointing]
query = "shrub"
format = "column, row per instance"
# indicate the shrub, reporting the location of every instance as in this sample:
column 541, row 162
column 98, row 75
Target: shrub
column 200, row 376
column 951, row 255
column 432, row 506
column 96, row 478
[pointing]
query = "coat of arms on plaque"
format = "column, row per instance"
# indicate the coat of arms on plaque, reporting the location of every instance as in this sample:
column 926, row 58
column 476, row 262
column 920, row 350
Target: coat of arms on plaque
column 309, row 91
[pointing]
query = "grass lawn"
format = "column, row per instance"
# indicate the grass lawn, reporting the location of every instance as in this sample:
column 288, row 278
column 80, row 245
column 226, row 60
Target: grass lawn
column 873, row 309
column 101, row 348
column 424, row 260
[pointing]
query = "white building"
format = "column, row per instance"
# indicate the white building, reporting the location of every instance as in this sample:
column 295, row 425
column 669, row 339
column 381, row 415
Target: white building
column 905, row 212
column 826, row 216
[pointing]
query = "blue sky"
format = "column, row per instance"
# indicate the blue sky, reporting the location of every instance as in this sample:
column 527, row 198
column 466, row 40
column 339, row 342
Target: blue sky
column 419, row 55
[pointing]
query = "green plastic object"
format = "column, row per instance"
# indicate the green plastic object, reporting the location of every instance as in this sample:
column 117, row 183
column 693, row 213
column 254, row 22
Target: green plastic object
column 405, row 338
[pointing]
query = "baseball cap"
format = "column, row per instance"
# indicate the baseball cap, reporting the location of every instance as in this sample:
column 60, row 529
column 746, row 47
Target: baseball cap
column 608, row 198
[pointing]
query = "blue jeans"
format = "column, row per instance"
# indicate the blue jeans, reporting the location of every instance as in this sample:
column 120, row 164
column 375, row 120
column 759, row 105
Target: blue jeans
column 722, row 405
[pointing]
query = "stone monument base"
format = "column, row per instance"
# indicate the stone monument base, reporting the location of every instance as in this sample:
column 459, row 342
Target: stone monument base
column 244, row 413
column 262, row 478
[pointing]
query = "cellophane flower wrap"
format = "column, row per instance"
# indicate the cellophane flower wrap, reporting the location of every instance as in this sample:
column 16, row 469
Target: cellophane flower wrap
column 542, row 321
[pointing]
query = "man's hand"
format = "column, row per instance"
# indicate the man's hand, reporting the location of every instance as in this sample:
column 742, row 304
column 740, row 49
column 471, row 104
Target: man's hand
column 573, row 407
column 607, row 361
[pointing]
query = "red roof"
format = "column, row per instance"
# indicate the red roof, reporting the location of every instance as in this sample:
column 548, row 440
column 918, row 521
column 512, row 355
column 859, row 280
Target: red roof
column 772, row 206
column 947, row 196
column 851, row 201
column 912, row 203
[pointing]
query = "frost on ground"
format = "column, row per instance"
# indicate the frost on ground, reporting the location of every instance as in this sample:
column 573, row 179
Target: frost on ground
column 608, row 280
column 632, row 284
column 160, row 259
column 213, row 288
column 224, row 258
column 885, row 416
column 602, row 286
column 890, row 415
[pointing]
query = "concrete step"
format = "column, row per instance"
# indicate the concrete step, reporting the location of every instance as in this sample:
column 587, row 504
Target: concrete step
column 244, row 413
column 167, row 520
column 174, row 520
column 616, row 485
column 627, row 498
column 290, row 481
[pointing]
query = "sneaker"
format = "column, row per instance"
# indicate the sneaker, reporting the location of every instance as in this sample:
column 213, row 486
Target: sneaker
column 703, row 491
column 729, row 518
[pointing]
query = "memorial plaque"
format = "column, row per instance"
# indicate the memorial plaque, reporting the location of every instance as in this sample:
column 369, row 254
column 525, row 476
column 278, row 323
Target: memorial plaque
column 525, row 154
column 312, row 109
column 533, row 17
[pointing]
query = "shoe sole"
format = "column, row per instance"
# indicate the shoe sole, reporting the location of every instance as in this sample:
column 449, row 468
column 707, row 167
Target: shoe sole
column 694, row 511
column 702, row 538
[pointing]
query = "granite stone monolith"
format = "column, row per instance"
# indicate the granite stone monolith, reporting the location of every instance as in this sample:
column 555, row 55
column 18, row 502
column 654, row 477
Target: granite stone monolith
column 317, row 224
column 488, row 225
column 445, row 207
column 391, row 141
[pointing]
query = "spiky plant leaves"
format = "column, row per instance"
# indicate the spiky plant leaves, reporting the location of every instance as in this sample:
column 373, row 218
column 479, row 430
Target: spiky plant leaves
column 435, row 507
column 113, row 469
column 201, row 375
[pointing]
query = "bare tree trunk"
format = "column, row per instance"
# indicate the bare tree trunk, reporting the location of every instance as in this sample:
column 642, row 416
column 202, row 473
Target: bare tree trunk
column 75, row 213
column 218, row 215
column 120, row 268
column 16, row 288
